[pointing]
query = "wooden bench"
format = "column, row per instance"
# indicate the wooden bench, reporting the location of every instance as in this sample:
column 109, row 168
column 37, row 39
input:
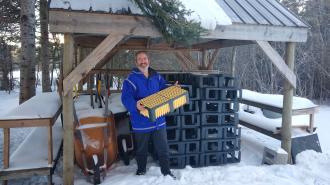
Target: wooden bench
column 40, row 111
column 259, row 100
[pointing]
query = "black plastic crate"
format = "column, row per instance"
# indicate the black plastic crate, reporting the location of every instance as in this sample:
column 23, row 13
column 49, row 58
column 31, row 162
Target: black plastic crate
column 175, row 112
column 192, row 147
column 191, row 134
column 176, row 148
column 229, row 119
column 190, row 120
column 230, row 144
column 173, row 121
column 219, row 106
column 212, row 132
column 229, row 132
column 211, row 145
column 211, row 119
column 173, row 134
column 177, row 161
column 211, row 159
column 193, row 160
column 229, row 94
column 228, row 81
column 192, row 107
column 233, row 156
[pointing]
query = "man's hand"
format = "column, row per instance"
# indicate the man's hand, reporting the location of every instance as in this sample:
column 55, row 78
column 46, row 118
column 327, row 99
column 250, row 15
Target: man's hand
column 139, row 106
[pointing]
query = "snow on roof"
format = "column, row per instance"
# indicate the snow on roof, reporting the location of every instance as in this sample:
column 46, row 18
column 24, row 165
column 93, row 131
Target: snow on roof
column 276, row 100
column 43, row 105
column 208, row 12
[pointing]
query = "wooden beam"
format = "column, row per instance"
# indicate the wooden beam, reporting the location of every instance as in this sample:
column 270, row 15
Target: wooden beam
column 286, row 130
column 6, row 147
column 233, row 61
column 100, row 23
column 187, row 59
column 278, row 61
column 181, row 60
column 90, row 61
column 68, row 137
column 214, row 57
column 259, row 32
column 220, row 43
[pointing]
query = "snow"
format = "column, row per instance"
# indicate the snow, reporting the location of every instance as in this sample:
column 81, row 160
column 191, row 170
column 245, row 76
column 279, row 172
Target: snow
column 43, row 105
column 311, row 169
column 208, row 12
column 276, row 100
column 33, row 151
column 258, row 119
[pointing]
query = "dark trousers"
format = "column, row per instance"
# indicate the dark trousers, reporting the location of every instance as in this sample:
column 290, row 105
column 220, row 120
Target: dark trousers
column 159, row 138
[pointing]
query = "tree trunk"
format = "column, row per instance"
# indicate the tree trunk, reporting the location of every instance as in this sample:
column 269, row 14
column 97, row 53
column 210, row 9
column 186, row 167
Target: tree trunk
column 44, row 51
column 28, row 50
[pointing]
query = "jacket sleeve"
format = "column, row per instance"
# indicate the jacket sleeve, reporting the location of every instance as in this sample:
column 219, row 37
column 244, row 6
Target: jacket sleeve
column 162, row 82
column 127, row 97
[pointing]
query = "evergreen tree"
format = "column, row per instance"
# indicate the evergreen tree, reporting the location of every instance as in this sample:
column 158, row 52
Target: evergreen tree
column 169, row 17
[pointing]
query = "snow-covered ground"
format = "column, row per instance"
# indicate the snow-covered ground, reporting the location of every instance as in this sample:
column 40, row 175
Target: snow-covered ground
column 311, row 169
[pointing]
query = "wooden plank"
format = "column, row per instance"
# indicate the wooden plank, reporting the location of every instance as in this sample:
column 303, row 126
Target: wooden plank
column 311, row 123
column 18, row 123
column 261, row 105
column 68, row 146
column 6, row 147
column 261, row 130
column 233, row 63
column 50, row 146
column 229, row 11
column 220, row 43
column 90, row 61
column 286, row 130
column 259, row 32
column 278, row 61
column 14, row 174
column 97, row 23
column 240, row 12
column 276, row 13
column 265, row 13
column 290, row 15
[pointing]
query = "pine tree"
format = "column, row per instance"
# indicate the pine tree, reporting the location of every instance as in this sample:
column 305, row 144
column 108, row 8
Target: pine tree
column 169, row 17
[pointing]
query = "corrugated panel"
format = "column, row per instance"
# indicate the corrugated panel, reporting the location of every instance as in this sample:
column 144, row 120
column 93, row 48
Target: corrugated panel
column 287, row 13
column 276, row 13
column 240, row 12
column 265, row 13
column 252, row 12
column 229, row 11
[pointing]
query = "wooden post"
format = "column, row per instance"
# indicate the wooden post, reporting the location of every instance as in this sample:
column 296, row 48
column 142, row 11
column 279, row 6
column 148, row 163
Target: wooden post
column 50, row 145
column 204, row 59
column 233, row 61
column 68, row 147
column 287, row 103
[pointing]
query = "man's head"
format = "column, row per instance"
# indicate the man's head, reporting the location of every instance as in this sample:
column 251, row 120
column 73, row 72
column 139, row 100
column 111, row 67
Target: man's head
column 142, row 60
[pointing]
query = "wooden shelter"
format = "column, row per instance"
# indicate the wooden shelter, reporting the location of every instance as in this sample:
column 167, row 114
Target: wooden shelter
column 85, row 25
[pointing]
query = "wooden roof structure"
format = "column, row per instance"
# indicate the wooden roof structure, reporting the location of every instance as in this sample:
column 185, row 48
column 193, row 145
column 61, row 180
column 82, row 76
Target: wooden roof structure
column 118, row 24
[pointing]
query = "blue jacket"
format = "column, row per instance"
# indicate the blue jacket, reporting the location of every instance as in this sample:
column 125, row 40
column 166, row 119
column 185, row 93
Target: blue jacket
column 136, row 87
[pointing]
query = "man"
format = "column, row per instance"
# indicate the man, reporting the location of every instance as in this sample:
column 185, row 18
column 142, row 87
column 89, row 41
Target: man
column 142, row 82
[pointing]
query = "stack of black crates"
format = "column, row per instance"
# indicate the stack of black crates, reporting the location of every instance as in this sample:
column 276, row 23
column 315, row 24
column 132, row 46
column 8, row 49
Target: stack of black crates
column 205, row 132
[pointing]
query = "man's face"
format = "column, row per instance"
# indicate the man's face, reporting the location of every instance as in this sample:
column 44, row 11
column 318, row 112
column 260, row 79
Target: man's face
column 142, row 61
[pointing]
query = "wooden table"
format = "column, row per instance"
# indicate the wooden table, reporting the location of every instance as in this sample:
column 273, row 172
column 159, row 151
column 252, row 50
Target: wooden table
column 39, row 111
column 257, row 101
